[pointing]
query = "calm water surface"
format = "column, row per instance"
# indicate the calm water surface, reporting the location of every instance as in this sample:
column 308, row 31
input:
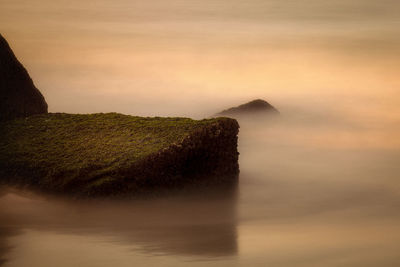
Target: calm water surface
column 302, row 200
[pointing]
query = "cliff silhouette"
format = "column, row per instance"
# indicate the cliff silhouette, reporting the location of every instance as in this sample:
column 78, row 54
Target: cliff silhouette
column 18, row 95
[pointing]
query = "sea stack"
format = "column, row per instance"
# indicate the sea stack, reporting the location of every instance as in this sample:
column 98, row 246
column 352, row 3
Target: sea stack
column 18, row 95
column 257, row 106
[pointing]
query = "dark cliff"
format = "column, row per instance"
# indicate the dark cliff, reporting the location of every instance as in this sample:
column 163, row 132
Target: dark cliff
column 18, row 95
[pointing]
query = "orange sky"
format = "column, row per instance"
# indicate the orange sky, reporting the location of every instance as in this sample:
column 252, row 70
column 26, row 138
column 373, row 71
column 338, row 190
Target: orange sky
column 193, row 58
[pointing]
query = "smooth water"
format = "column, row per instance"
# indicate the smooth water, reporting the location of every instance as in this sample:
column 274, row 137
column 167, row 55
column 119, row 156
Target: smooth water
column 303, row 200
column 318, row 186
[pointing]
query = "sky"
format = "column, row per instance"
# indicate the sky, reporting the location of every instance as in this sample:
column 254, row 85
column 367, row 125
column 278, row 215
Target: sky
column 194, row 58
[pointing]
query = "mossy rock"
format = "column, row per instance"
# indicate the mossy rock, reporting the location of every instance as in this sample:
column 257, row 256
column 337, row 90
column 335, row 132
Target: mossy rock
column 113, row 154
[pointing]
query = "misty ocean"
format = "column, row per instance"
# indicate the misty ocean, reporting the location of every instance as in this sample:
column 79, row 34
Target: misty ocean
column 318, row 185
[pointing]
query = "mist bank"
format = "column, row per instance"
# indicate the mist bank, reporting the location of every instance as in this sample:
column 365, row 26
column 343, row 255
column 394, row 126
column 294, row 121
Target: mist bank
column 194, row 59
column 301, row 199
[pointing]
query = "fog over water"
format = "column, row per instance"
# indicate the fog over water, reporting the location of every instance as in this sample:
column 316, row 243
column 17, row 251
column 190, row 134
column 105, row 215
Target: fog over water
column 318, row 184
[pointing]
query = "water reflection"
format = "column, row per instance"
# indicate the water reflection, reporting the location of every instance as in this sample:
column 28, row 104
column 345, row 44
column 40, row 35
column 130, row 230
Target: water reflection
column 314, row 191
column 195, row 224
column 5, row 233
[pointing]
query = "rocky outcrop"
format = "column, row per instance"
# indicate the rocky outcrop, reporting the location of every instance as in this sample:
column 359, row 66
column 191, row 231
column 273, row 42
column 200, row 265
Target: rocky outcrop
column 104, row 154
column 18, row 95
column 114, row 154
column 207, row 156
column 257, row 106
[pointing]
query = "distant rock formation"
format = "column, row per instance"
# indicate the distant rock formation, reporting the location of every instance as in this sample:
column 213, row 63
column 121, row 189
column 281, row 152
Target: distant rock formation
column 257, row 106
column 18, row 95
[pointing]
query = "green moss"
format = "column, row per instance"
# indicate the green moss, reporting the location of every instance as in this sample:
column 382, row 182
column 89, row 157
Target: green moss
column 74, row 145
